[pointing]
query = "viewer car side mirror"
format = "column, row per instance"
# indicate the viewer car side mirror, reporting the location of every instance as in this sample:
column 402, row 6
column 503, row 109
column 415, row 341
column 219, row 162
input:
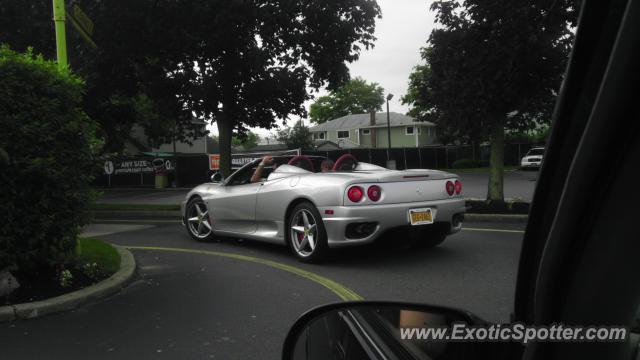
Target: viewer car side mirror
column 379, row 330
column 217, row 177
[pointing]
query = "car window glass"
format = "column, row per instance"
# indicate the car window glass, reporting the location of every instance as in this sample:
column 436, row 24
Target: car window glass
column 243, row 176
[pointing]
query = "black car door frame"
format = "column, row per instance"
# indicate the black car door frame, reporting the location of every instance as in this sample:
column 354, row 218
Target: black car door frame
column 578, row 251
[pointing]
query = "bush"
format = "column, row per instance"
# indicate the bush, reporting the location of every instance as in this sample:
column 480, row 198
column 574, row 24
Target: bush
column 47, row 147
column 469, row 163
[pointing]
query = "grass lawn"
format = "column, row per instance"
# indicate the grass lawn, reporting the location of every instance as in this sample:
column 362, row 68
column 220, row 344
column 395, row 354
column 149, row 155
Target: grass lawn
column 99, row 252
column 45, row 283
column 143, row 207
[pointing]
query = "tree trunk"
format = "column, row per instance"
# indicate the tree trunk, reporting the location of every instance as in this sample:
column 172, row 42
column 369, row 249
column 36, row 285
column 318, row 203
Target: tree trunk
column 225, row 129
column 496, row 164
column 225, row 117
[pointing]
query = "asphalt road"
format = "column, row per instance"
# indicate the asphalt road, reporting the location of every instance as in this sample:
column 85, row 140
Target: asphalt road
column 517, row 185
column 194, row 305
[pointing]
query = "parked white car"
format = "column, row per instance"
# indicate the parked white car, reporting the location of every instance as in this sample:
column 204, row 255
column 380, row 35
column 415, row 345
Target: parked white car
column 533, row 158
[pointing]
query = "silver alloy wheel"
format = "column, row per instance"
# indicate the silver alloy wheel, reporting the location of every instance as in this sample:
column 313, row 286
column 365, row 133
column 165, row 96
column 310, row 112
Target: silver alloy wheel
column 198, row 220
column 303, row 232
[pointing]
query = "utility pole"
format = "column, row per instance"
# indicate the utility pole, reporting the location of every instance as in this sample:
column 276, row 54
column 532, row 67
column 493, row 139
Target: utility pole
column 61, row 36
column 79, row 20
column 389, row 97
column 390, row 163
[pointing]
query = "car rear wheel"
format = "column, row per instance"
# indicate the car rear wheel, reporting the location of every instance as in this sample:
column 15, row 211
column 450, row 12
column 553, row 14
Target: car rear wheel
column 306, row 234
column 428, row 236
column 198, row 221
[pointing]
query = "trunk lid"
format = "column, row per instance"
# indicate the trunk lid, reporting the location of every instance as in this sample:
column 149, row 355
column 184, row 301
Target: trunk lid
column 403, row 186
column 413, row 175
column 395, row 175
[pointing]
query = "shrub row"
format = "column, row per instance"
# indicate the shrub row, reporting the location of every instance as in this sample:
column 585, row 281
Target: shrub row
column 47, row 149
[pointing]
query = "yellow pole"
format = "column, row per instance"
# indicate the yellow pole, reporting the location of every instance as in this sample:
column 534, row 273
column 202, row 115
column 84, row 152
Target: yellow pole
column 61, row 37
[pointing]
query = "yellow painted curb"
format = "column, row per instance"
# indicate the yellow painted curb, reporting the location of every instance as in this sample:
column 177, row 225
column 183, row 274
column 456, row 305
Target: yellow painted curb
column 341, row 291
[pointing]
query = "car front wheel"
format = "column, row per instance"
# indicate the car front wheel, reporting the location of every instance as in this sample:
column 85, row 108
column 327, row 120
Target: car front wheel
column 306, row 234
column 198, row 220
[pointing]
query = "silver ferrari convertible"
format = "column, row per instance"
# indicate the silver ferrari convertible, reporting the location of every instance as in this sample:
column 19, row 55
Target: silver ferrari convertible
column 299, row 202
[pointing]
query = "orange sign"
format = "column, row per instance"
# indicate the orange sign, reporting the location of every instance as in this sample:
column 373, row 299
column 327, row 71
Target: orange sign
column 214, row 161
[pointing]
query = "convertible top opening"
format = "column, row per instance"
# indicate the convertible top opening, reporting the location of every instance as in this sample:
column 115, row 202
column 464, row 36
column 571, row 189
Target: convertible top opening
column 307, row 164
column 344, row 163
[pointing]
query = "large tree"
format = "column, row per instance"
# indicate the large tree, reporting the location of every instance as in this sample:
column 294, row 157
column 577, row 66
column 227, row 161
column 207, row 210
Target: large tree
column 239, row 63
column 258, row 58
column 354, row 97
column 491, row 66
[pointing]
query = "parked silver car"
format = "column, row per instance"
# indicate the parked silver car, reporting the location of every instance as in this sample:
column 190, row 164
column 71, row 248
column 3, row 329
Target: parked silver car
column 311, row 211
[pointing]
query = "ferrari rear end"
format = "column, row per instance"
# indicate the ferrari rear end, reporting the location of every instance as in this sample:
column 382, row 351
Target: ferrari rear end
column 425, row 203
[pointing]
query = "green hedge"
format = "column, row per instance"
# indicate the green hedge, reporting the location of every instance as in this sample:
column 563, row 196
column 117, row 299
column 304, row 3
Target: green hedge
column 47, row 148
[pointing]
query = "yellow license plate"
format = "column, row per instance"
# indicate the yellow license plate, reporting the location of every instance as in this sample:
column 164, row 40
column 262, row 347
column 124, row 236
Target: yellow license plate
column 421, row 216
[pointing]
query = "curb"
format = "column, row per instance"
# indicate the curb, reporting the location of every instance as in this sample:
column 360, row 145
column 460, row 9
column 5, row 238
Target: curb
column 497, row 218
column 74, row 299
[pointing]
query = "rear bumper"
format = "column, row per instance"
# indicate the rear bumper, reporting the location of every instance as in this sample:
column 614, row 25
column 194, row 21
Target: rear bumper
column 385, row 217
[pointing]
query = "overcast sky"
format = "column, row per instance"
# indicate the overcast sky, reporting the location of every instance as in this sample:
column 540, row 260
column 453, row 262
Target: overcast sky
column 402, row 31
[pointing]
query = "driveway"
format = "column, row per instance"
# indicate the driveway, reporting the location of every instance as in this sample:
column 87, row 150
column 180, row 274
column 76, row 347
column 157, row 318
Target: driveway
column 235, row 299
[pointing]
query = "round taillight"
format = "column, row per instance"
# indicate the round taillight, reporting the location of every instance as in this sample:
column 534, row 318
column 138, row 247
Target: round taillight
column 450, row 188
column 458, row 186
column 355, row 193
column 374, row 192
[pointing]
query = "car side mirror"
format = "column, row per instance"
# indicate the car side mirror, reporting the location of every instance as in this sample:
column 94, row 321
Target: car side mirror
column 217, row 177
column 380, row 330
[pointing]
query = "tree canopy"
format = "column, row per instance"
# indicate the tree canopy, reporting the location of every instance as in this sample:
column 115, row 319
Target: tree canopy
column 248, row 140
column 239, row 63
column 490, row 66
column 256, row 59
column 296, row 137
column 354, row 97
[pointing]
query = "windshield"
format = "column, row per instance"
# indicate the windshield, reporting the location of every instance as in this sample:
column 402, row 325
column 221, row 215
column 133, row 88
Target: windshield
column 535, row 152
column 139, row 139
